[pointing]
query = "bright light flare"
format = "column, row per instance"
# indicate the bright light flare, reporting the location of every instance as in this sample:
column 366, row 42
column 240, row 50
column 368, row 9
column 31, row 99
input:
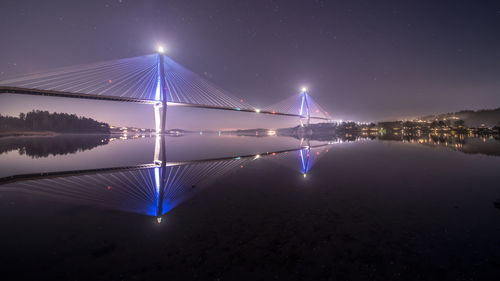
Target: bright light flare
column 257, row 110
column 161, row 50
column 304, row 89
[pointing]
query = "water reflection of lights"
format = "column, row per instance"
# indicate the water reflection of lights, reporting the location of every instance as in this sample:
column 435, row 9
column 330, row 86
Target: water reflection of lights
column 152, row 189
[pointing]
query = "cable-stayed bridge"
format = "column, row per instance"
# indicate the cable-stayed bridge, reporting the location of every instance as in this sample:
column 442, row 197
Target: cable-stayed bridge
column 152, row 79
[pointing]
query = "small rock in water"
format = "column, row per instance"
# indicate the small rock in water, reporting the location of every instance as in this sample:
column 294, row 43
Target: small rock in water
column 497, row 204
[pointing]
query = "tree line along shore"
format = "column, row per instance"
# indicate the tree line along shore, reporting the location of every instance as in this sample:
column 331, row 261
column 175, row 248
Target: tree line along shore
column 39, row 122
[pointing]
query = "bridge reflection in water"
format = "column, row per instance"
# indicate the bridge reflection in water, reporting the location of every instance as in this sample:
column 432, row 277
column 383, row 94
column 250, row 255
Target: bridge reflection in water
column 152, row 189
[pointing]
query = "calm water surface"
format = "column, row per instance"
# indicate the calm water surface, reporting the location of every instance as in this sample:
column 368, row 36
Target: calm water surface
column 209, row 207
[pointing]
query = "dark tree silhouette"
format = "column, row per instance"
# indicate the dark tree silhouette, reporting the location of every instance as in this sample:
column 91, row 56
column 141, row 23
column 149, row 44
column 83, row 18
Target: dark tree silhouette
column 460, row 123
column 55, row 122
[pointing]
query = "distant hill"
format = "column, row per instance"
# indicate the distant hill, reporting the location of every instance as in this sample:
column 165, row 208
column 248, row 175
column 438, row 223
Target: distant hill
column 489, row 117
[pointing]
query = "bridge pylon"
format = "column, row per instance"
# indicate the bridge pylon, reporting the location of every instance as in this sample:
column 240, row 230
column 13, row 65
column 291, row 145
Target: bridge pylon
column 160, row 108
column 304, row 105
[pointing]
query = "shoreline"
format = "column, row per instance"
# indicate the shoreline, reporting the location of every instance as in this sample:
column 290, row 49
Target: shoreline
column 28, row 134
column 9, row 134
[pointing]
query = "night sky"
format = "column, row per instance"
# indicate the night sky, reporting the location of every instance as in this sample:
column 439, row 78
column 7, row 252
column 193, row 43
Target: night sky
column 361, row 60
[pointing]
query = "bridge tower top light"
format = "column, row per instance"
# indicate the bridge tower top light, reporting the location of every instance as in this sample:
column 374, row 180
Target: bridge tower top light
column 304, row 89
column 161, row 50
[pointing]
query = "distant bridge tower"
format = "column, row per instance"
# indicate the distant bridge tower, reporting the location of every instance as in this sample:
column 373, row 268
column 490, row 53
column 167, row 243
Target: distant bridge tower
column 304, row 108
column 161, row 95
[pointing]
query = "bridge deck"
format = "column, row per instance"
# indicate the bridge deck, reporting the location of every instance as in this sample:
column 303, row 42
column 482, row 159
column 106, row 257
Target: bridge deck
column 37, row 92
